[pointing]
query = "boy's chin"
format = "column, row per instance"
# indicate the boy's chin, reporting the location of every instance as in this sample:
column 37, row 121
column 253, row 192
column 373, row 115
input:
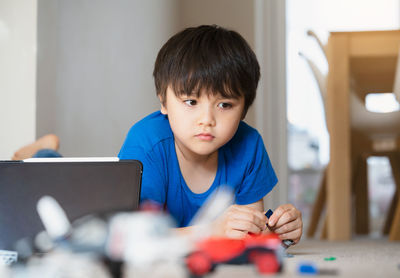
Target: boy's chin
column 204, row 151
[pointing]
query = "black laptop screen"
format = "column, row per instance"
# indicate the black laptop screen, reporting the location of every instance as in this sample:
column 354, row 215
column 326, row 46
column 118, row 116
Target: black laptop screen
column 81, row 188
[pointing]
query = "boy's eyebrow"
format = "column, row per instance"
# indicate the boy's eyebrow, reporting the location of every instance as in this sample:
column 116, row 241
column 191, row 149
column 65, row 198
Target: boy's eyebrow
column 200, row 90
column 185, row 94
column 219, row 96
column 231, row 98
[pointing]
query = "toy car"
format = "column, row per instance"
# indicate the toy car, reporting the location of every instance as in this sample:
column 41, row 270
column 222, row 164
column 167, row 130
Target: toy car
column 265, row 251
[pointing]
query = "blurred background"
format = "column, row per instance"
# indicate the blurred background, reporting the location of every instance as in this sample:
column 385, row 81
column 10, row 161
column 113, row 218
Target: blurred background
column 82, row 69
column 308, row 138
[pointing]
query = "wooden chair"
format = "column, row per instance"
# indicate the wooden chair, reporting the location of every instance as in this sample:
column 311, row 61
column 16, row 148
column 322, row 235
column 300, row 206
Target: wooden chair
column 372, row 134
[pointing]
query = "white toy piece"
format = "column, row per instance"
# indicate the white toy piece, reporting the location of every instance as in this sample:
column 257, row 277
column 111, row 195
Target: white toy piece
column 8, row 257
column 145, row 238
column 53, row 217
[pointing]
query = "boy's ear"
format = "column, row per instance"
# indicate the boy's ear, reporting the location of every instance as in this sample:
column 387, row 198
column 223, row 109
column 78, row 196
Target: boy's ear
column 163, row 108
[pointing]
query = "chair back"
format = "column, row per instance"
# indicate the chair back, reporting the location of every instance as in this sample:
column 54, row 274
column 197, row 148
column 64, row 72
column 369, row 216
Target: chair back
column 376, row 126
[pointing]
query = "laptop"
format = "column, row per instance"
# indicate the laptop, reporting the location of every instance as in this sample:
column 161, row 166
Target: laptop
column 80, row 186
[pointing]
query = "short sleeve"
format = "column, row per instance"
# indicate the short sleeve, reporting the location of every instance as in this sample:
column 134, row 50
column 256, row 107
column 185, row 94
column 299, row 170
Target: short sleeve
column 260, row 177
column 153, row 180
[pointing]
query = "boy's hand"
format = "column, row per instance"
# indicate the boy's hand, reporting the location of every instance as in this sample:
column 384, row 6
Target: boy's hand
column 237, row 221
column 286, row 221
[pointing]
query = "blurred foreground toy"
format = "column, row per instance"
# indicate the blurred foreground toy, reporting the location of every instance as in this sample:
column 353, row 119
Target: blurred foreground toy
column 310, row 268
column 63, row 263
column 144, row 243
column 145, row 238
column 307, row 268
column 140, row 242
column 265, row 251
column 4, row 271
column 8, row 257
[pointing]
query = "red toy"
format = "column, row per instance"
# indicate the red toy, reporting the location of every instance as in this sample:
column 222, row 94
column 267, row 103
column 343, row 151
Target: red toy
column 265, row 251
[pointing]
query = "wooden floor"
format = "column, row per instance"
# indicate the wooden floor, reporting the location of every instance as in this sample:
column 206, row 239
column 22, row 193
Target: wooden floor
column 356, row 258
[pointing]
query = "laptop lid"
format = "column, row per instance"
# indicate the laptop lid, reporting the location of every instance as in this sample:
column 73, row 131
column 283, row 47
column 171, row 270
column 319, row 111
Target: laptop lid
column 80, row 187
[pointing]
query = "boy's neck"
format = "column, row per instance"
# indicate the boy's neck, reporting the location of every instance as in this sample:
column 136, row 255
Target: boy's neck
column 193, row 158
column 198, row 171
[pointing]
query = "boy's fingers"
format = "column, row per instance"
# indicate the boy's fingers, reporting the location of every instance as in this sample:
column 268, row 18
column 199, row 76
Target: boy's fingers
column 235, row 234
column 266, row 232
column 276, row 215
column 257, row 213
column 249, row 218
column 249, row 214
column 283, row 214
column 288, row 227
column 287, row 217
column 244, row 226
column 293, row 235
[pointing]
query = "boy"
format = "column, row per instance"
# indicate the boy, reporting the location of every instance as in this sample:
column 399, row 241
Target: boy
column 206, row 79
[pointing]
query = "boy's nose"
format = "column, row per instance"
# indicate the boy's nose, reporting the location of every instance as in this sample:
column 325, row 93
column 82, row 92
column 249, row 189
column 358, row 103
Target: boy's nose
column 207, row 117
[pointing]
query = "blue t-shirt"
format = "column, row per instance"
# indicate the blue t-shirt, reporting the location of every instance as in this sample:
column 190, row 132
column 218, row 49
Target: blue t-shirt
column 243, row 164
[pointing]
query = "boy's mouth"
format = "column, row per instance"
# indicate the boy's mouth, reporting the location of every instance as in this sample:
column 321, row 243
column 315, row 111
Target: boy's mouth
column 205, row 136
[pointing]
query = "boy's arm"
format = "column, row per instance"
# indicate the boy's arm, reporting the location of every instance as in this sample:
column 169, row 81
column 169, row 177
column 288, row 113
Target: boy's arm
column 259, row 205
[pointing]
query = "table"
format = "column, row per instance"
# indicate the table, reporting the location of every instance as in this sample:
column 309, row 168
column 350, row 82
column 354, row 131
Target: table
column 368, row 60
column 353, row 259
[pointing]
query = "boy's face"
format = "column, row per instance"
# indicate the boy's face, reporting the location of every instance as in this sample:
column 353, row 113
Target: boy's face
column 202, row 125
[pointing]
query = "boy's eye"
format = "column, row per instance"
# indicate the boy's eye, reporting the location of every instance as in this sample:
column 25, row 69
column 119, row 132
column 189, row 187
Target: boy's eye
column 190, row 102
column 224, row 105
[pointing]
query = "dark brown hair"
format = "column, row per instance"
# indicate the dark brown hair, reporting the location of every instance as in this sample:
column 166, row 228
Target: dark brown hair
column 207, row 57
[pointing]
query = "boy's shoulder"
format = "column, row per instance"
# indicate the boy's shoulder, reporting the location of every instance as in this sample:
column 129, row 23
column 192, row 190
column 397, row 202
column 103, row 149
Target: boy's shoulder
column 156, row 118
column 245, row 141
column 149, row 131
column 244, row 150
column 245, row 134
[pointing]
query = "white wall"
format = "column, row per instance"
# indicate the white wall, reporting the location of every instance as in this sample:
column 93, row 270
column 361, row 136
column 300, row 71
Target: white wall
column 270, row 39
column 95, row 62
column 233, row 14
column 17, row 74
